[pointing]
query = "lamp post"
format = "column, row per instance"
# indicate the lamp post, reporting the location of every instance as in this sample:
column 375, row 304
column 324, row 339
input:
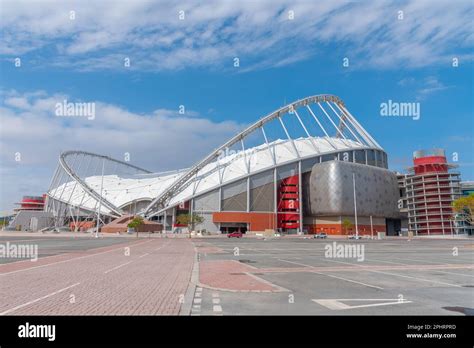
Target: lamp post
column 371, row 227
column 355, row 204
column 100, row 200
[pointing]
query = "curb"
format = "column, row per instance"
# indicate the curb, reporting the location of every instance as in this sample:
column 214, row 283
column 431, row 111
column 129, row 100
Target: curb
column 189, row 296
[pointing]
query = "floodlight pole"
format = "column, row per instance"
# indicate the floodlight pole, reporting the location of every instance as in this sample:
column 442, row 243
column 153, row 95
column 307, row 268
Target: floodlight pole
column 355, row 204
column 100, row 200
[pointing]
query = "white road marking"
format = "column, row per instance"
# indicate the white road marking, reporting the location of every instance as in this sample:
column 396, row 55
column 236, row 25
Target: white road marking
column 76, row 258
column 117, row 267
column 163, row 245
column 336, row 304
column 216, row 300
column 417, row 260
column 198, row 294
column 216, row 308
column 465, row 275
column 349, row 280
column 145, row 254
column 400, row 275
column 38, row 299
column 197, row 300
column 26, row 240
column 437, row 270
column 333, row 276
column 215, row 294
column 417, row 278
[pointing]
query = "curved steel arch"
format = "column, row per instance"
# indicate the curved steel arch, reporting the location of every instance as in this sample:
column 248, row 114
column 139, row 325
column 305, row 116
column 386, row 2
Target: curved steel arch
column 182, row 182
column 89, row 190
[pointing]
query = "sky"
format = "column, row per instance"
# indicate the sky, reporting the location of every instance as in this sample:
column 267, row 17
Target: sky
column 139, row 61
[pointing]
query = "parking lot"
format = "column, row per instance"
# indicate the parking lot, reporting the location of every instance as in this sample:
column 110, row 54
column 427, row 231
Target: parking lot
column 50, row 246
column 238, row 276
column 299, row 277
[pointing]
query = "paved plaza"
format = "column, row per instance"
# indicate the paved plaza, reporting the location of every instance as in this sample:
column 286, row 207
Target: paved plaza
column 248, row 276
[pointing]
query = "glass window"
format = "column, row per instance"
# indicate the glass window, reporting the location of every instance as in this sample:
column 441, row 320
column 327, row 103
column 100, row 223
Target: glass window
column 359, row 156
column 329, row 157
column 371, row 158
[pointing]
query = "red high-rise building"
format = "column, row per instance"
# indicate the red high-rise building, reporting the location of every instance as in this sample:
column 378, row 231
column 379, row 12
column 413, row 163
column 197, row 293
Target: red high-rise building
column 31, row 203
column 431, row 188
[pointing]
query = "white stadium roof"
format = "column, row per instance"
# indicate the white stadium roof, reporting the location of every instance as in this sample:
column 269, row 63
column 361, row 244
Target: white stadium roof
column 82, row 189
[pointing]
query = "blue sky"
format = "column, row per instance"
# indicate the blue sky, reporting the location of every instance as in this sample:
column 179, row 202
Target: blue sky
column 191, row 62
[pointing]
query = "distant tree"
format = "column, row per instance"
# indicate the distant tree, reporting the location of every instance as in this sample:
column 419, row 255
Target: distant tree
column 347, row 224
column 136, row 222
column 464, row 206
column 189, row 220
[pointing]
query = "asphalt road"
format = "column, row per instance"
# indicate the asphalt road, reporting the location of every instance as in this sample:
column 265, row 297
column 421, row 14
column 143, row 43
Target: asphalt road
column 220, row 276
column 396, row 277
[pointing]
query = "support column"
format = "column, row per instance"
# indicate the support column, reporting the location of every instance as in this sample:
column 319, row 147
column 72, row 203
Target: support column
column 248, row 194
column 165, row 222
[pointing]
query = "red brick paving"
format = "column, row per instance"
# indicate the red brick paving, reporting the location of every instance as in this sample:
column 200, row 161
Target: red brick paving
column 151, row 284
column 210, row 250
column 70, row 255
column 232, row 275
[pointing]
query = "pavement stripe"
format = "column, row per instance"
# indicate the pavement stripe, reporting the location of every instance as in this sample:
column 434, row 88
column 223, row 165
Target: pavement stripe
column 72, row 259
column 420, row 279
column 333, row 276
column 117, row 267
column 38, row 299
column 349, row 280
column 437, row 270
column 161, row 247
column 216, row 308
column 336, row 304
column 401, row 275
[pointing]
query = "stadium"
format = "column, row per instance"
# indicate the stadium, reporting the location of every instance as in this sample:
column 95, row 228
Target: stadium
column 304, row 168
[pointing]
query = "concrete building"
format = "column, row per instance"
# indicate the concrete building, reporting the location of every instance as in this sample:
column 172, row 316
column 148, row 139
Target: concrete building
column 431, row 188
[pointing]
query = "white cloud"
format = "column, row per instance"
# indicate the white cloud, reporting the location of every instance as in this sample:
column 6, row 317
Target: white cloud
column 430, row 85
column 159, row 140
column 215, row 31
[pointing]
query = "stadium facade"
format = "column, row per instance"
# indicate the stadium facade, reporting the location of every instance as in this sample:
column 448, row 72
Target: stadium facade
column 308, row 167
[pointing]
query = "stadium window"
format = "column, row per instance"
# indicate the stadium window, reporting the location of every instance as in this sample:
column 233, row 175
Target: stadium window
column 359, row 156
